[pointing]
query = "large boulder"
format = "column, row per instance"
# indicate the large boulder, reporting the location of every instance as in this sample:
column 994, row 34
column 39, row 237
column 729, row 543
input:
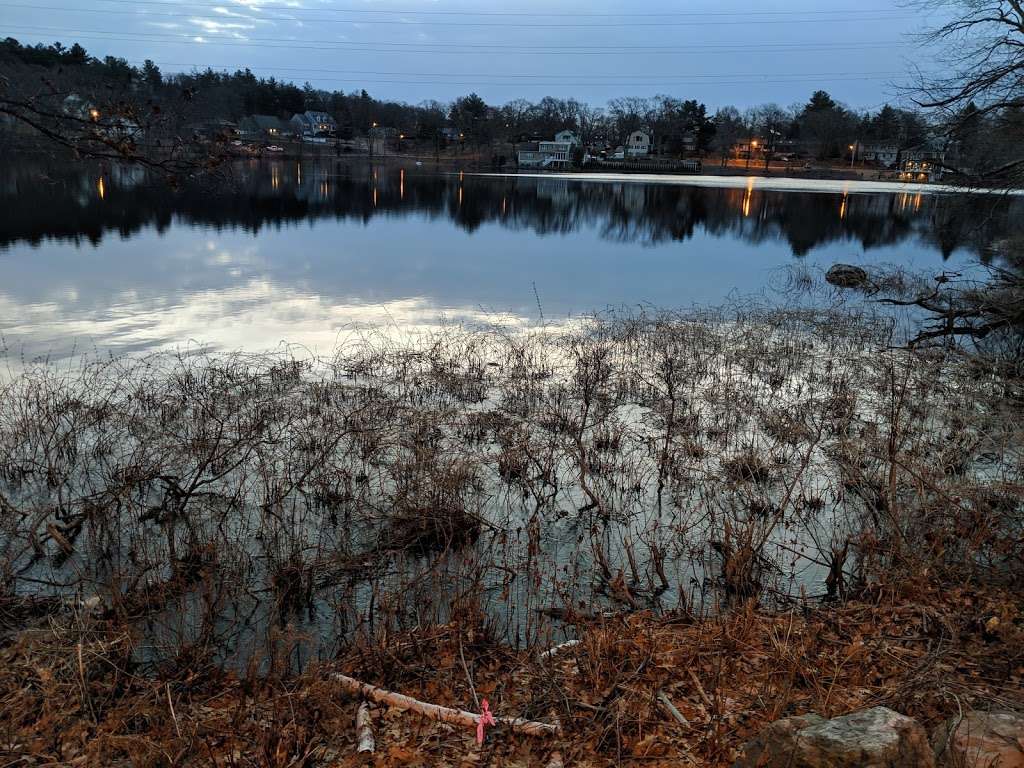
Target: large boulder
column 847, row 276
column 775, row 739
column 871, row 738
column 981, row 740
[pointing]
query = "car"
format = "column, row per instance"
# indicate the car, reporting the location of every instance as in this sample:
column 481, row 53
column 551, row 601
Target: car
column 236, row 143
column 275, row 148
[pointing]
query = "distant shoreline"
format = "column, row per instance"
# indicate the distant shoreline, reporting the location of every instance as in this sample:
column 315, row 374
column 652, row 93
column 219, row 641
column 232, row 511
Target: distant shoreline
column 764, row 183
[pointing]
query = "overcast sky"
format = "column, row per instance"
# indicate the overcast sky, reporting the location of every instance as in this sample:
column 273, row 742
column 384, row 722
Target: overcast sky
column 717, row 51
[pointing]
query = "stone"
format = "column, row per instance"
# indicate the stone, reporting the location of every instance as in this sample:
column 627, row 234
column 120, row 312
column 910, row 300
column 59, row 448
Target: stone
column 775, row 739
column 870, row 738
column 981, row 740
column 847, row 276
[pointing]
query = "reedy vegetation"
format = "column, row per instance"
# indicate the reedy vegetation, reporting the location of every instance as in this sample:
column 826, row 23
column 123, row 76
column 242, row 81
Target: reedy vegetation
column 655, row 460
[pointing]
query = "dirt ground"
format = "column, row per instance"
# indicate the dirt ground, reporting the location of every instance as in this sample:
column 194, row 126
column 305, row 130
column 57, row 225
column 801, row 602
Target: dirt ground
column 71, row 694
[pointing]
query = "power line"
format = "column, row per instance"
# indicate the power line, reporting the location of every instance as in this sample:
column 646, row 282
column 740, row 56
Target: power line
column 503, row 24
column 256, row 7
column 446, row 47
column 732, row 75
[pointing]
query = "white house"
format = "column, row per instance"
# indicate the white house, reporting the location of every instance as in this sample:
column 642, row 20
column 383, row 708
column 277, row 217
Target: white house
column 638, row 144
column 313, row 123
column 551, row 154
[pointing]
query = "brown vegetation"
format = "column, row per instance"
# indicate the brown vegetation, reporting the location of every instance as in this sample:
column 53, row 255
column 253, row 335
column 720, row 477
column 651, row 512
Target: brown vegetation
column 745, row 515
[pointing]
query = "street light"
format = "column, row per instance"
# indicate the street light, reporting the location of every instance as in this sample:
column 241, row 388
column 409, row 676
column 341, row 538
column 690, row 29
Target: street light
column 853, row 153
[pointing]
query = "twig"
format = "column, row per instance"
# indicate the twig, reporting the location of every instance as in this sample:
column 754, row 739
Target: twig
column 556, row 649
column 170, row 705
column 670, row 708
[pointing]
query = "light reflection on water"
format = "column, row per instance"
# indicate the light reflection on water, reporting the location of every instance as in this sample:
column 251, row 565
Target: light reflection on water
column 109, row 260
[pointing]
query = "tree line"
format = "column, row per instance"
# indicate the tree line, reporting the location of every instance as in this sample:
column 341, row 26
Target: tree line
column 169, row 104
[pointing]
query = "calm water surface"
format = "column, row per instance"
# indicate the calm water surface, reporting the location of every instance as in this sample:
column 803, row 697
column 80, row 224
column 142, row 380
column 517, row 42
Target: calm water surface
column 113, row 260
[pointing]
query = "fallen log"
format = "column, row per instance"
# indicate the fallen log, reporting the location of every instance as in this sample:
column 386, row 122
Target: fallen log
column 437, row 712
column 364, row 730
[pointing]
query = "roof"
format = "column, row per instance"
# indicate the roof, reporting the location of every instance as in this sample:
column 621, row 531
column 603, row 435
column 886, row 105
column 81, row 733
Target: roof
column 311, row 117
column 265, row 122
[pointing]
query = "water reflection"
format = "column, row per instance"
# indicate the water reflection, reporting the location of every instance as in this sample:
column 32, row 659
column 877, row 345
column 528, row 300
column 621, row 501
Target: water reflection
column 111, row 259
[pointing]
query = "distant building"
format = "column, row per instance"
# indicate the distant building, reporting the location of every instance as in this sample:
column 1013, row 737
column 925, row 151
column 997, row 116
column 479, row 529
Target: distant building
column 214, row 128
column 638, row 144
column 312, row 123
column 110, row 126
column 551, row 154
column 264, row 126
column 882, row 154
column 923, row 162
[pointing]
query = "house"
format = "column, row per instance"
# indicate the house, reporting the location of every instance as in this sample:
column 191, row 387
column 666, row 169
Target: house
column 112, row 126
column 924, row 162
column 264, row 126
column 214, row 129
column 312, row 123
column 551, row 154
column 638, row 144
column 883, row 154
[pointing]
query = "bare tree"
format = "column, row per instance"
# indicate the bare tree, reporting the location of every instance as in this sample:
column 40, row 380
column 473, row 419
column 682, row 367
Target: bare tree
column 983, row 48
column 105, row 110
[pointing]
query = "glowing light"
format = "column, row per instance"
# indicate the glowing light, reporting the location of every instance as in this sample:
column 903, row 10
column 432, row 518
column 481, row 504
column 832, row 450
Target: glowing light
column 401, row 184
column 94, row 113
column 747, row 196
column 842, row 208
column 101, row 188
column 374, row 197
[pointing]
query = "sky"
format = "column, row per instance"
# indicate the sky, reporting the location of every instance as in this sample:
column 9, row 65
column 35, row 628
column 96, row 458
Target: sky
column 719, row 52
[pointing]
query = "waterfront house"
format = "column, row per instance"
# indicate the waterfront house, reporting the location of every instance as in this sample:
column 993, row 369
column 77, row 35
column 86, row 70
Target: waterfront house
column 99, row 123
column 638, row 144
column 924, row 162
column 264, row 127
column 551, row 154
column 316, row 124
column 884, row 154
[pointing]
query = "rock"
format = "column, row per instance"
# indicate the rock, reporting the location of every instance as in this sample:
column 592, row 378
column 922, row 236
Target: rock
column 776, row 739
column 871, row 738
column 847, row 276
column 981, row 740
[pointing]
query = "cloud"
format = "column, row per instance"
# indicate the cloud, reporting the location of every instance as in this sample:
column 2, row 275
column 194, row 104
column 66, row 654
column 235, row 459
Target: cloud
column 229, row 28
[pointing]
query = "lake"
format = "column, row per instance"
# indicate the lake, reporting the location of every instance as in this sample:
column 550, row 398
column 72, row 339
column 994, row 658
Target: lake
column 115, row 260
column 610, row 465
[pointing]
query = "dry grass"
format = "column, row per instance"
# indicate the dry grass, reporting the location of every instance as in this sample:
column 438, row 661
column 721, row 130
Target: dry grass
column 70, row 692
